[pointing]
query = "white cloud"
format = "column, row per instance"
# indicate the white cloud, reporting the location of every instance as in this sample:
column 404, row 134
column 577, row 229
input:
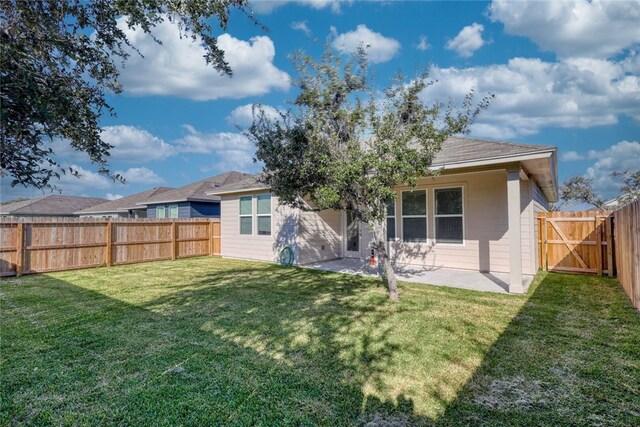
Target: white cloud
column 378, row 47
column 597, row 29
column 468, row 40
column 132, row 144
column 571, row 156
column 423, row 45
column 110, row 196
column 177, row 67
column 268, row 6
column 233, row 150
column 301, row 26
column 243, row 115
column 86, row 180
column 140, row 176
column 625, row 155
column 531, row 94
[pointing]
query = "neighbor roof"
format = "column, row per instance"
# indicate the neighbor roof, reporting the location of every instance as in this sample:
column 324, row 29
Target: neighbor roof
column 124, row 203
column 50, row 205
column 458, row 152
column 197, row 191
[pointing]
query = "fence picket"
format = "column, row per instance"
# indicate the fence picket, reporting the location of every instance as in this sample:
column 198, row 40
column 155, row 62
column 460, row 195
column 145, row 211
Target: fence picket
column 34, row 245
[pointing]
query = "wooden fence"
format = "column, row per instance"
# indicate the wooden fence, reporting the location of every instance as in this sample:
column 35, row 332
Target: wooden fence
column 37, row 245
column 627, row 238
column 576, row 242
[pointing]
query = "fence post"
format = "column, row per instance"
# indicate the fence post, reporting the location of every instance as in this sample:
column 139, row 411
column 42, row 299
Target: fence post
column 174, row 241
column 108, row 250
column 210, row 237
column 19, row 249
column 610, row 243
column 545, row 249
column 597, row 220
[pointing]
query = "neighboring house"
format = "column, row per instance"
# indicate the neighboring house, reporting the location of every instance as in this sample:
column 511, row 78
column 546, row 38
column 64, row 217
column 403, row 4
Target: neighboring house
column 124, row 207
column 192, row 200
column 478, row 214
column 52, row 205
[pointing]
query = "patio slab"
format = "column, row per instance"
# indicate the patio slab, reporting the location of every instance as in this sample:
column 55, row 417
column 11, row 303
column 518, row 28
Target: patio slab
column 464, row 279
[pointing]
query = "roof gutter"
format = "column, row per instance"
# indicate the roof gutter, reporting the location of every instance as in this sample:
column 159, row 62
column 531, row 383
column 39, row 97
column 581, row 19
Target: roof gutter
column 189, row 199
column 495, row 160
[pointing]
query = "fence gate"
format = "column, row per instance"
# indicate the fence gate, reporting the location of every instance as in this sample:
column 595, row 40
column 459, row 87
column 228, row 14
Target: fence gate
column 576, row 242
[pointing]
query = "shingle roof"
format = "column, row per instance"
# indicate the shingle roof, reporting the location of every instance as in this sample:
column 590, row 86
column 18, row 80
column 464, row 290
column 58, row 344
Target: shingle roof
column 125, row 203
column 454, row 150
column 197, row 190
column 457, row 150
column 249, row 183
column 50, row 205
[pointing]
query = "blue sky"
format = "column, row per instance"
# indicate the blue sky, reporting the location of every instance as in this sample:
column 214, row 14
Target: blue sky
column 564, row 74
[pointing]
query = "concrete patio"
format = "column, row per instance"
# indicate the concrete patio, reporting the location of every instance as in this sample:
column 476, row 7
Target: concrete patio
column 463, row 279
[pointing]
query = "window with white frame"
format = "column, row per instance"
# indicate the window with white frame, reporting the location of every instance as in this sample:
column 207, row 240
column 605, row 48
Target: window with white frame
column 160, row 213
column 391, row 221
column 173, row 211
column 449, row 215
column 246, row 215
column 414, row 216
column 263, row 214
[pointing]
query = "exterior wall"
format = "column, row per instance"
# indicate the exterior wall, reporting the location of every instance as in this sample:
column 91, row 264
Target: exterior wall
column 284, row 229
column 204, row 210
column 189, row 209
column 486, row 242
column 319, row 236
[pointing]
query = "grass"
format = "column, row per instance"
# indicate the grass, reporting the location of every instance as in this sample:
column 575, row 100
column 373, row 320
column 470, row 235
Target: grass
column 211, row 341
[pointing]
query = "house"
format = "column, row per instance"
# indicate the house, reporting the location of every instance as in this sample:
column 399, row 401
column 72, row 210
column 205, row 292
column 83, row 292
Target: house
column 124, row 207
column 478, row 214
column 51, row 205
column 192, row 200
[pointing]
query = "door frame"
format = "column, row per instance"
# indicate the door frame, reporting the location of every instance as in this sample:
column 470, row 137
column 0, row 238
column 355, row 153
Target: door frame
column 345, row 252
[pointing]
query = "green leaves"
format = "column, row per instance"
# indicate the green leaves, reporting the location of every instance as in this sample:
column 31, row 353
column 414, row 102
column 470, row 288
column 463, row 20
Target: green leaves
column 57, row 60
column 345, row 145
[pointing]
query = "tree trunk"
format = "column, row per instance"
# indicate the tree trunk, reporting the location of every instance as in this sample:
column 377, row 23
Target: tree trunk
column 379, row 245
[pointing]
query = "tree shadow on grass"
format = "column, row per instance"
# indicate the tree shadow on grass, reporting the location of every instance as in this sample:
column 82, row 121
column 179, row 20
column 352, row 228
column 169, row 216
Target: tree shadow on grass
column 570, row 357
column 262, row 345
column 223, row 350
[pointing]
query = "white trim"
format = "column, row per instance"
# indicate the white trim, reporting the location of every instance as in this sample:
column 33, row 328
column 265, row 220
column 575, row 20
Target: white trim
column 188, row 199
column 164, row 211
column 462, row 215
column 174, row 205
column 425, row 216
column 241, row 215
column 270, row 215
column 346, row 253
column 242, row 190
column 495, row 160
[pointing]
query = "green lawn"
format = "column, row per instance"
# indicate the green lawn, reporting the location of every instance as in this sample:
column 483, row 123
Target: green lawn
column 211, row 341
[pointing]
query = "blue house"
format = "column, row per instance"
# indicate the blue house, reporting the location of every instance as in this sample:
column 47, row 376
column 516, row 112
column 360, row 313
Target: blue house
column 191, row 200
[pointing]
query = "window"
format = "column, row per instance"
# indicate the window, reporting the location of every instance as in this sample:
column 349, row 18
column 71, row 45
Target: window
column 414, row 216
column 263, row 210
column 449, row 215
column 246, row 215
column 391, row 221
column 160, row 212
column 173, row 211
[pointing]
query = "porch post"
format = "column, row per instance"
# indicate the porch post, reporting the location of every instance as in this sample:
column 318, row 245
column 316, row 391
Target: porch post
column 515, row 237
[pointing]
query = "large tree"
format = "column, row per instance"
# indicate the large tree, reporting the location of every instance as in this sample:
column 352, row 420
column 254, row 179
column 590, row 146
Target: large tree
column 343, row 145
column 58, row 58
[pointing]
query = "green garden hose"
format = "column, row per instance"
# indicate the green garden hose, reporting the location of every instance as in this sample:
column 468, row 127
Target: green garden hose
column 286, row 256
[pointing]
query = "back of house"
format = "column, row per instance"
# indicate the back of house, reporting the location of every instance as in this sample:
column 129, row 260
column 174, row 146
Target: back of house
column 477, row 214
